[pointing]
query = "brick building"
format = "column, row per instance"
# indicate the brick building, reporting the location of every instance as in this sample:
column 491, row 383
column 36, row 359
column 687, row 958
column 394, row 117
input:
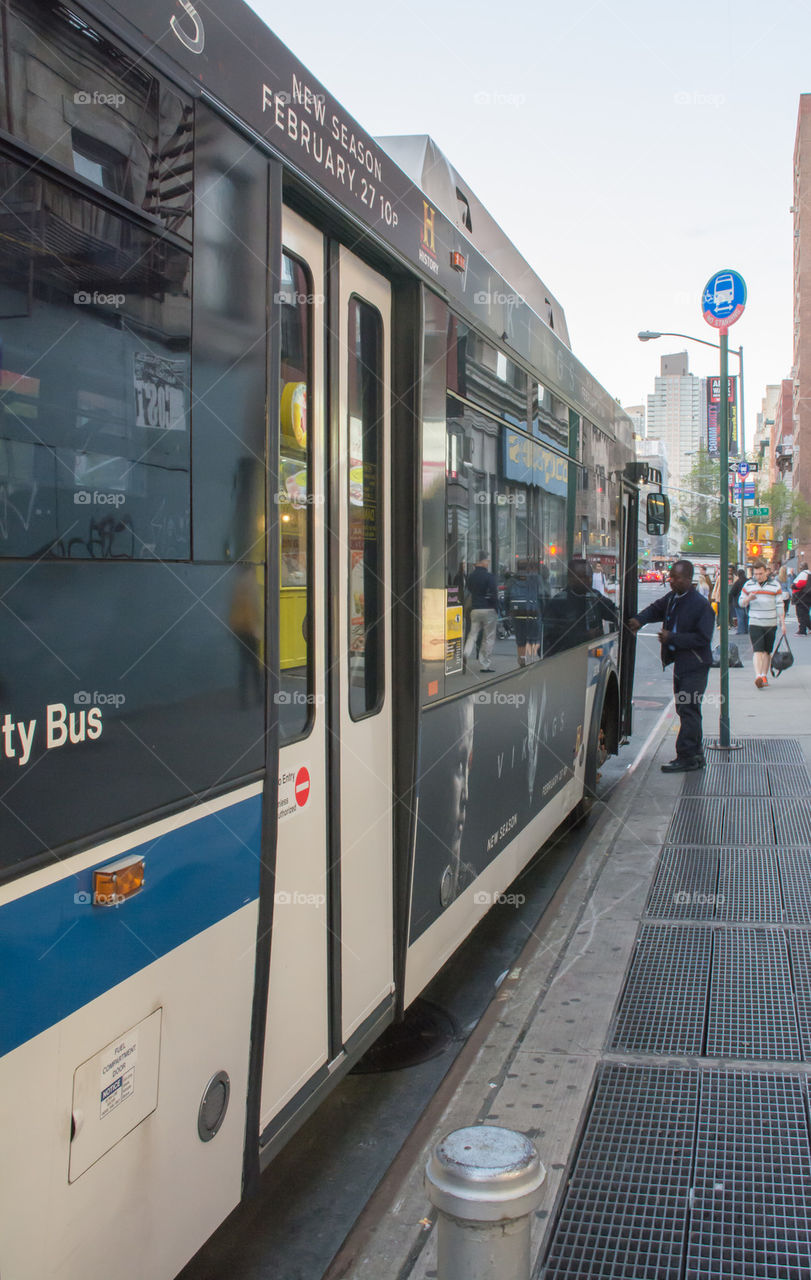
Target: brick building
column 782, row 435
column 801, row 372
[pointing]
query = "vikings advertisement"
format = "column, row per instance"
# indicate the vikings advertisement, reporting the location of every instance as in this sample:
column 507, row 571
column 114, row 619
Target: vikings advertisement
column 489, row 762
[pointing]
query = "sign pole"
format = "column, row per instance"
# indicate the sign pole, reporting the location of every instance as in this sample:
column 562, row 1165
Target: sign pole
column 722, row 303
column 723, row 596
column 742, row 454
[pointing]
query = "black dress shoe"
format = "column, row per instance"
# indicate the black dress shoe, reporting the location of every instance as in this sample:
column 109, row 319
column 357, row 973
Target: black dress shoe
column 681, row 765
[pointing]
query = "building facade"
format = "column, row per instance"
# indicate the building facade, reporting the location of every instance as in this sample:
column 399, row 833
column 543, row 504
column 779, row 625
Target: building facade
column 763, row 440
column 652, row 548
column 677, row 418
column 800, row 455
column 636, row 412
column 782, row 435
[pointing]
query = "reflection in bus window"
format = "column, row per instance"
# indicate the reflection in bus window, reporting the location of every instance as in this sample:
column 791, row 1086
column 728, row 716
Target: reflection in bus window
column 505, row 493
column 598, row 500
column 295, row 504
column 94, row 391
column 229, row 477
column 480, row 372
column 365, row 409
column 84, row 104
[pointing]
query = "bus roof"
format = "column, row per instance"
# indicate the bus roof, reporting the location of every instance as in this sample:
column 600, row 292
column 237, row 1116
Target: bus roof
column 420, row 157
column 229, row 55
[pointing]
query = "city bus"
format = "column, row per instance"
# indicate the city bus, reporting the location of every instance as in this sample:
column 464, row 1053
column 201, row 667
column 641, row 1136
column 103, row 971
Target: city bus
column 268, row 390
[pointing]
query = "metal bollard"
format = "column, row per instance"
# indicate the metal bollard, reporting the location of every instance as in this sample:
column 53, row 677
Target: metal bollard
column 485, row 1182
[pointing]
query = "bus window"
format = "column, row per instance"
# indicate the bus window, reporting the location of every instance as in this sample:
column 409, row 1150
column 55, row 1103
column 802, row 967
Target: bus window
column 95, row 411
column 98, row 112
column 365, row 526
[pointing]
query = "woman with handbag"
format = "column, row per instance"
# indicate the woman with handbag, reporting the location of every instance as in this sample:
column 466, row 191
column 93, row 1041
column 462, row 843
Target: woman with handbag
column 765, row 600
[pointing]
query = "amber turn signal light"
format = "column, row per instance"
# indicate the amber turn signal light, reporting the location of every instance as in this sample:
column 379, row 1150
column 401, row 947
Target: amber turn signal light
column 114, row 884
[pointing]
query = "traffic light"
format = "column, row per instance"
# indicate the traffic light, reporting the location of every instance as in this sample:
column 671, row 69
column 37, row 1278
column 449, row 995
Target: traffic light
column 789, row 544
column 751, row 532
column 690, row 540
column 753, row 550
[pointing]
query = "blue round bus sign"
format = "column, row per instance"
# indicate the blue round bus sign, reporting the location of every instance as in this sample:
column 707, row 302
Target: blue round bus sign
column 723, row 299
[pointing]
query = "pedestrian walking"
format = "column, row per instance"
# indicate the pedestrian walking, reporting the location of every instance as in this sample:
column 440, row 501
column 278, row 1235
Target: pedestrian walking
column 598, row 579
column 483, row 611
column 704, row 583
column 686, row 636
column 799, row 595
column 715, row 598
column 523, row 607
column 764, row 598
column 736, row 609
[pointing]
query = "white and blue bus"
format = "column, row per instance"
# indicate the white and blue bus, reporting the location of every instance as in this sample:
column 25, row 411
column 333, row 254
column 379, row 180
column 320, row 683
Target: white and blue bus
column 268, row 389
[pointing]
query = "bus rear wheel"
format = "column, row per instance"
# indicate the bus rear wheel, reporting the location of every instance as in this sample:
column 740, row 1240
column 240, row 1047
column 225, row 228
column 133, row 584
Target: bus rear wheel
column 598, row 754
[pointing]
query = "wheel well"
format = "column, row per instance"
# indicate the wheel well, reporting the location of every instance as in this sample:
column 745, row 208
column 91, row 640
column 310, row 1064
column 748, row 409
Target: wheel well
column 611, row 715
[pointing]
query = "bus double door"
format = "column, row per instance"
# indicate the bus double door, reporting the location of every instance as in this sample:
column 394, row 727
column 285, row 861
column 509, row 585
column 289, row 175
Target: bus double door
column 331, row 955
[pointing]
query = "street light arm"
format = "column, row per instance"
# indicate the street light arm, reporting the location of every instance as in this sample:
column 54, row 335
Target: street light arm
column 646, row 335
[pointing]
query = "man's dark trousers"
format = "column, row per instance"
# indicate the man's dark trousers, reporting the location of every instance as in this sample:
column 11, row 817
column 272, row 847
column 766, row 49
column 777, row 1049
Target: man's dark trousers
column 689, row 690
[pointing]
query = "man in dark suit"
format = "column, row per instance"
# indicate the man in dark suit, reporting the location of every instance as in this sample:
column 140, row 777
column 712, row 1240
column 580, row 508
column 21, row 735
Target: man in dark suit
column 688, row 622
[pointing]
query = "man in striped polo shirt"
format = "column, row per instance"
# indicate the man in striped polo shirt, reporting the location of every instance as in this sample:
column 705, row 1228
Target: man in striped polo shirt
column 764, row 596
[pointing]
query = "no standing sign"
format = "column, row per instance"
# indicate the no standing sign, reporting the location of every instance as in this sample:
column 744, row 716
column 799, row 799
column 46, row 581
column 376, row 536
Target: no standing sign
column 723, row 299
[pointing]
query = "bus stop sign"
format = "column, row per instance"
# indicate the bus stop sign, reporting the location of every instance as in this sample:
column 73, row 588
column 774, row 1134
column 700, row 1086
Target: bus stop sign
column 723, row 299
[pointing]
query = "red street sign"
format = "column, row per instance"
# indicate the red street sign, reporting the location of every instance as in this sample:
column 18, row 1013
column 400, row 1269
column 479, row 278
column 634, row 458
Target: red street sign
column 302, row 786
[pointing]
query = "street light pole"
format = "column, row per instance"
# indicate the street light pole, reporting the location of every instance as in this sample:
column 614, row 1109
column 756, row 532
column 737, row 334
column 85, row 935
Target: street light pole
column 723, row 594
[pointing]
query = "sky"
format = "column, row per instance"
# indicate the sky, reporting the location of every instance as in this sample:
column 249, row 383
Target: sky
column 630, row 150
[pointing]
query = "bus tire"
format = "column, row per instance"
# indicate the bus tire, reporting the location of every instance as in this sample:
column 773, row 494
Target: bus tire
column 599, row 748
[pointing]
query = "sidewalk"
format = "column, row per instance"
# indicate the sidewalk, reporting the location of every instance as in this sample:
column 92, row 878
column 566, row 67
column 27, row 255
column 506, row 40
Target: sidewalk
column 657, row 1046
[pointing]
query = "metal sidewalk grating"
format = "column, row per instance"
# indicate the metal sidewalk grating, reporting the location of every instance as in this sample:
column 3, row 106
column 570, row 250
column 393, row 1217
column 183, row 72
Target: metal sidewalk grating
column 717, row 821
column 661, row 1009
column 795, row 877
column 748, row 821
column 751, row 1210
column 792, row 821
column 786, row 780
column 748, row 886
column 756, row 750
column 751, row 1007
column 783, row 751
column 685, row 884
column 799, row 945
column 696, row 821
column 721, row 779
column 625, row 1211
column 744, row 751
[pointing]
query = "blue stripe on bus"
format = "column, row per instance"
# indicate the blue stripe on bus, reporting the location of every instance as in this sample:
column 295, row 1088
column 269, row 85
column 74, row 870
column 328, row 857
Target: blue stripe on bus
column 57, row 953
